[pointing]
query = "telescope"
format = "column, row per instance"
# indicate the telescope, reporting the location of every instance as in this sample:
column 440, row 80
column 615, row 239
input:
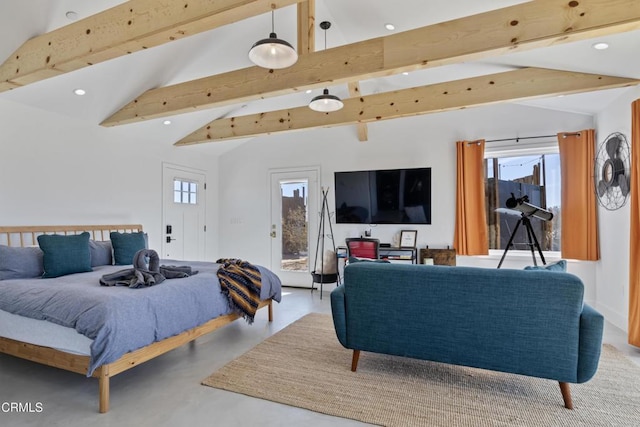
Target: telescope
column 523, row 206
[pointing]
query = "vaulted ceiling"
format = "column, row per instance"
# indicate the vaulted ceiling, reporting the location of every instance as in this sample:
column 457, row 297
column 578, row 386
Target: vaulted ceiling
column 146, row 61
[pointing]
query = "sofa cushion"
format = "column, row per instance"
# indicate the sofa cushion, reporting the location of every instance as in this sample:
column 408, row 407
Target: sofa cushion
column 65, row 254
column 556, row 266
column 101, row 252
column 125, row 246
column 20, row 263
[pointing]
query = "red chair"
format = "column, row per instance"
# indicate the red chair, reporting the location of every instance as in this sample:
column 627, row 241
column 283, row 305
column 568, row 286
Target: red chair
column 363, row 247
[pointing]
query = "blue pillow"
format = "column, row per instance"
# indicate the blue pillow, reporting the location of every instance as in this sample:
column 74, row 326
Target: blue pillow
column 20, row 263
column 64, row 255
column 125, row 246
column 100, row 252
column 556, row 266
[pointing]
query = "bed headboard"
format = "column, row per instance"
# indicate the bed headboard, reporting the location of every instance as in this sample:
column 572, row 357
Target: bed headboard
column 28, row 235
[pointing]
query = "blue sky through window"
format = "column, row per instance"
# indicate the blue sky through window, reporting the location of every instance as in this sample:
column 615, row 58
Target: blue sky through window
column 517, row 167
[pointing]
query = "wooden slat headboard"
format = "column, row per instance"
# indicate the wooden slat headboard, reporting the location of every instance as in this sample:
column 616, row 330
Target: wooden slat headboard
column 28, row 235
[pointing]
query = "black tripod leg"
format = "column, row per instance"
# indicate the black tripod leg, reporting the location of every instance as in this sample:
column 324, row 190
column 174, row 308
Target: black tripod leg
column 537, row 245
column 527, row 225
column 320, row 235
column 513, row 234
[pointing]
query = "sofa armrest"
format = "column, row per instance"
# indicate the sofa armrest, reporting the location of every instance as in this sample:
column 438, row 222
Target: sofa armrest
column 339, row 311
column 591, row 330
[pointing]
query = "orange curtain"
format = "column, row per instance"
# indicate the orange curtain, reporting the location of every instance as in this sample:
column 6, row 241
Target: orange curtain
column 579, row 210
column 634, row 250
column 470, row 236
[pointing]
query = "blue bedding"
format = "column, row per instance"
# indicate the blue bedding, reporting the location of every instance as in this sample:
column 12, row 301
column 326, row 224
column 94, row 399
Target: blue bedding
column 120, row 319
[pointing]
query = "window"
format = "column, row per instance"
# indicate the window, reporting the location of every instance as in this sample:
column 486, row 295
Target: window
column 295, row 223
column 522, row 173
column 185, row 192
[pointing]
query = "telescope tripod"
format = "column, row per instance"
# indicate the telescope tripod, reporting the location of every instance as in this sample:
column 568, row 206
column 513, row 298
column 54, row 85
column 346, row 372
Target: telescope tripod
column 533, row 241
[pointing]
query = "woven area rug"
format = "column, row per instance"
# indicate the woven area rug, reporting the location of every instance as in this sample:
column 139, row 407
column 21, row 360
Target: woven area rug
column 304, row 365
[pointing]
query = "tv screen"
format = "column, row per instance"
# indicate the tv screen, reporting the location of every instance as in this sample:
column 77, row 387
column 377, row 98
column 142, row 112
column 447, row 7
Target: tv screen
column 389, row 196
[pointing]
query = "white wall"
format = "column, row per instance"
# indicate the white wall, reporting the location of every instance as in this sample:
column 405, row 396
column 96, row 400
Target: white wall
column 57, row 170
column 612, row 272
column 423, row 141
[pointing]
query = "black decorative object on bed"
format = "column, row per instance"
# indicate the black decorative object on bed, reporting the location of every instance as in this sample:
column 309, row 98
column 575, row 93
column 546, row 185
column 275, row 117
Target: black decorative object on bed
column 143, row 274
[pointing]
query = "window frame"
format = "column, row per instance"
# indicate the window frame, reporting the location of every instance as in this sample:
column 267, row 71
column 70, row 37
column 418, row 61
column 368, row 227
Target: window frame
column 515, row 148
column 188, row 192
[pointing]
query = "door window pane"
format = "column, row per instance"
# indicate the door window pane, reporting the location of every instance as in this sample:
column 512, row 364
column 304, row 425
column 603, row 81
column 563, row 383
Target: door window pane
column 295, row 220
column 185, row 192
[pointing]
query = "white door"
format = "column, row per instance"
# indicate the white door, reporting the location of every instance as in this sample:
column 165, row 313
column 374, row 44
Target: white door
column 294, row 224
column 184, row 213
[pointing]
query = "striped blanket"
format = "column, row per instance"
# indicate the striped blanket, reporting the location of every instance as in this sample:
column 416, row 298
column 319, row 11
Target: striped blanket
column 241, row 282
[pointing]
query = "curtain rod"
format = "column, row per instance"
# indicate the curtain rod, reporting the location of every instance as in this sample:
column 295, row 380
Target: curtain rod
column 518, row 138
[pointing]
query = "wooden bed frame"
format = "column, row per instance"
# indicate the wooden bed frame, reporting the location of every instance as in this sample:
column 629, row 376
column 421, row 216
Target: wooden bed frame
column 27, row 236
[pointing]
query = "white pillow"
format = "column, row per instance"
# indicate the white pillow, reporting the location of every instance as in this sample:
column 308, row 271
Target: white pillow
column 329, row 262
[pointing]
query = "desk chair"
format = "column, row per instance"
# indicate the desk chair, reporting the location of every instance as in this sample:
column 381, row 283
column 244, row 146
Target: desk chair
column 363, row 247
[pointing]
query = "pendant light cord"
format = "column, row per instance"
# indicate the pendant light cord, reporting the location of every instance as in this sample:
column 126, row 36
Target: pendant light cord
column 273, row 27
column 325, row 39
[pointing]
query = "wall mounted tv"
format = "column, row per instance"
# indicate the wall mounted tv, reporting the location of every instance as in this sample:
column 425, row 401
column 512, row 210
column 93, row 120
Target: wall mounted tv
column 389, row 196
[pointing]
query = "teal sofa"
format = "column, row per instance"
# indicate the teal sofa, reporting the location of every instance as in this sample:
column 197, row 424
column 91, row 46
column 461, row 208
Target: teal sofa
column 527, row 322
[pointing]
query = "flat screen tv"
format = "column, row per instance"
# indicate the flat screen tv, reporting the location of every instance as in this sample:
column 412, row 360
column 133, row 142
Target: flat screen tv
column 389, row 196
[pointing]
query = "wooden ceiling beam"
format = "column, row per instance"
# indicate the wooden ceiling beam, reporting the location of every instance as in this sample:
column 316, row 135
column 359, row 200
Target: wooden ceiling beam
column 121, row 30
column 306, row 26
column 363, row 131
column 516, row 28
column 521, row 84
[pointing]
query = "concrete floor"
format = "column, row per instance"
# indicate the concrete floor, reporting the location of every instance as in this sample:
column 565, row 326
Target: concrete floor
column 167, row 392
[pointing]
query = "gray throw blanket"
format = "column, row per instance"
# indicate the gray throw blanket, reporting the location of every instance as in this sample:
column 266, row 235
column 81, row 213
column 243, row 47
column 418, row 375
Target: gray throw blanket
column 143, row 275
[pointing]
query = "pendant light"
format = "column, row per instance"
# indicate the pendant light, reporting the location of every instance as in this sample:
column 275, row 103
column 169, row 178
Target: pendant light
column 273, row 52
column 326, row 103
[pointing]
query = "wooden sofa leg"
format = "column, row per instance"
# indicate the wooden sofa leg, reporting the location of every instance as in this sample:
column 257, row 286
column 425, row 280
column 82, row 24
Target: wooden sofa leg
column 566, row 395
column 354, row 360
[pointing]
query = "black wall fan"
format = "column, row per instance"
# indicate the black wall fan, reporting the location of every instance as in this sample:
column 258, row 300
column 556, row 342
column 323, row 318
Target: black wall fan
column 611, row 172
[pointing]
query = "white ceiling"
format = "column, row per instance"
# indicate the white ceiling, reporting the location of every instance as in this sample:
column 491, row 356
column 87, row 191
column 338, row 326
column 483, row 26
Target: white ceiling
column 111, row 85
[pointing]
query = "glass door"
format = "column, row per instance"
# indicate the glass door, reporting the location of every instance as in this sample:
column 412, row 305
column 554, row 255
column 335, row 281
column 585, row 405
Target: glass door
column 294, row 217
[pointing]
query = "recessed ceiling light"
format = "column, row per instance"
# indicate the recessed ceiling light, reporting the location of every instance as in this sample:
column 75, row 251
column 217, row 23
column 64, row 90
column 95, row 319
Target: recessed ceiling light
column 601, row 46
column 71, row 15
column 308, row 91
column 405, row 73
column 390, row 26
column 79, row 92
column 166, row 122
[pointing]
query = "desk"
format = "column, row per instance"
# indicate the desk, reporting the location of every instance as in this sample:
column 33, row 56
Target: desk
column 399, row 254
column 388, row 253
